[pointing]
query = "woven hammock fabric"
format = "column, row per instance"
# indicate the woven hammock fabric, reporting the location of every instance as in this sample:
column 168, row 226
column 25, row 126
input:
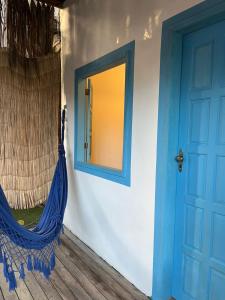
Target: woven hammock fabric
column 22, row 249
column 29, row 107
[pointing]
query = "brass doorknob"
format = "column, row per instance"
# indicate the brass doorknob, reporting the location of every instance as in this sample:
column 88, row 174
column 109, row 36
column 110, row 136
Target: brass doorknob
column 180, row 159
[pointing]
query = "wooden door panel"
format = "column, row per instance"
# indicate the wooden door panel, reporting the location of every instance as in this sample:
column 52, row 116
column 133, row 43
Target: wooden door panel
column 199, row 254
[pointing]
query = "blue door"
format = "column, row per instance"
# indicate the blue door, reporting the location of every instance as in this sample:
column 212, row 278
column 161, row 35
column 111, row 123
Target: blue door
column 199, row 252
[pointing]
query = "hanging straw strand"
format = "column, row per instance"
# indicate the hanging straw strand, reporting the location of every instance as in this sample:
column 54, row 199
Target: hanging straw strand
column 30, row 28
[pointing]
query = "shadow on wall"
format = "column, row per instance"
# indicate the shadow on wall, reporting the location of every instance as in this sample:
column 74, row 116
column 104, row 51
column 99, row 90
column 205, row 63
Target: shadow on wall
column 105, row 236
column 113, row 27
column 82, row 34
column 115, row 24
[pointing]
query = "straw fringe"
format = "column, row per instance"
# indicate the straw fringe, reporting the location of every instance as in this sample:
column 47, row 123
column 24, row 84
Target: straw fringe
column 29, row 130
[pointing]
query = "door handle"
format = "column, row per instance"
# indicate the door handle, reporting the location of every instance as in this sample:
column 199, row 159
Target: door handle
column 180, row 159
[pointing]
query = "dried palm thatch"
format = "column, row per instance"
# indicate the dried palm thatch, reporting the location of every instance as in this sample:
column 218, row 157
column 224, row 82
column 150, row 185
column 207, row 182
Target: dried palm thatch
column 27, row 29
column 29, row 129
column 29, row 100
column 2, row 24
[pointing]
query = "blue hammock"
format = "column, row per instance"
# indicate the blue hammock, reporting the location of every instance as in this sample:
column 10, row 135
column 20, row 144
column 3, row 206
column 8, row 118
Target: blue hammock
column 22, row 249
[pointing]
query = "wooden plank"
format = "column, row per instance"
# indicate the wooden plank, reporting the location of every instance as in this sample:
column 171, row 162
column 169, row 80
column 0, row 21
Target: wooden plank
column 5, row 288
column 61, row 287
column 22, row 290
column 99, row 279
column 80, row 277
column 47, row 287
column 79, row 274
column 106, row 267
column 92, row 277
column 33, row 286
column 113, row 284
column 73, row 285
column 1, row 295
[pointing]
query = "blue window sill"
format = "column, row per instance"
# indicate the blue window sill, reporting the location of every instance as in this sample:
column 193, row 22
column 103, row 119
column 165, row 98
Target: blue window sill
column 106, row 173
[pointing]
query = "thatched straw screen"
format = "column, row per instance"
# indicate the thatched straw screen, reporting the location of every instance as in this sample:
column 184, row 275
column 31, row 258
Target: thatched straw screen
column 29, row 100
column 27, row 28
column 29, row 105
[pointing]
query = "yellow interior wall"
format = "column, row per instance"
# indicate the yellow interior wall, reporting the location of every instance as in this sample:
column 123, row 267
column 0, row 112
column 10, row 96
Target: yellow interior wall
column 108, row 96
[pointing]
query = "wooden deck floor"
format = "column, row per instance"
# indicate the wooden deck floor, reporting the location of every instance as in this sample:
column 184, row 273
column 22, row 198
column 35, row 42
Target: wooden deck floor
column 79, row 274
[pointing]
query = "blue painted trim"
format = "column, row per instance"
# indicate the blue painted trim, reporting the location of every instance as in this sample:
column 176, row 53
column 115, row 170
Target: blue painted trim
column 199, row 16
column 124, row 54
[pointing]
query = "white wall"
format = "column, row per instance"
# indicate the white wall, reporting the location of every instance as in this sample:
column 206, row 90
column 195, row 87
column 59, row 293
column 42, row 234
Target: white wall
column 117, row 222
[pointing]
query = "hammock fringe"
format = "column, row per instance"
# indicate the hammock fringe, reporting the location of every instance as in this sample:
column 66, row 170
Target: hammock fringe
column 35, row 249
column 33, row 264
column 21, row 271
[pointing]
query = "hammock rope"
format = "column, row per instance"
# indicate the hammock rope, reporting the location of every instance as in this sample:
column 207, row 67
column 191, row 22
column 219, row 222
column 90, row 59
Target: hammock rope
column 22, row 249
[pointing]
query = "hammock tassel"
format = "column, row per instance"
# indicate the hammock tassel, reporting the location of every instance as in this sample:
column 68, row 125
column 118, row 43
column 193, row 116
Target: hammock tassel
column 29, row 263
column 36, row 266
column 1, row 256
column 21, row 271
column 39, row 265
column 42, row 267
column 52, row 261
column 5, row 268
column 46, row 272
column 12, row 281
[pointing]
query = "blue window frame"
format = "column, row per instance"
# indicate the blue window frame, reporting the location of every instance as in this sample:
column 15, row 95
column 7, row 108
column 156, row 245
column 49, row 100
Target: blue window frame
column 123, row 55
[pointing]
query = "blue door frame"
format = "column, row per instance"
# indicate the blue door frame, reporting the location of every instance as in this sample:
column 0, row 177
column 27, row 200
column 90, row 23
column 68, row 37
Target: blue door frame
column 199, row 16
